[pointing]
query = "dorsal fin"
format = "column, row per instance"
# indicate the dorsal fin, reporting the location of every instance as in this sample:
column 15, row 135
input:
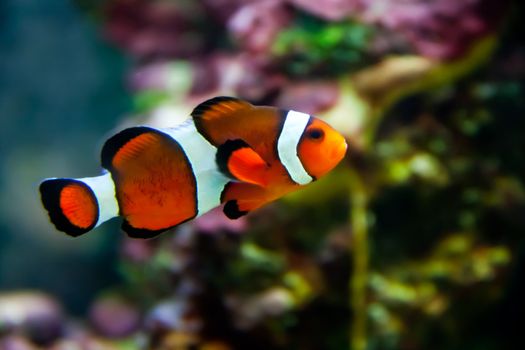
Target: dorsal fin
column 218, row 107
column 216, row 114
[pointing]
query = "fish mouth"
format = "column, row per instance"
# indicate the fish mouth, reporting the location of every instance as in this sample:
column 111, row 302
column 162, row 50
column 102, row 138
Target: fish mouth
column 339, row 152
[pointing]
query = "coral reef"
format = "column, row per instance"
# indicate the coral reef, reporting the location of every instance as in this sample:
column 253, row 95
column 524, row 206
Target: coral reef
column 414, row 242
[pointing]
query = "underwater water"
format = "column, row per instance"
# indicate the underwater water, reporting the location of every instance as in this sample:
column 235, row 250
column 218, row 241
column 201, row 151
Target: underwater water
column 62, row 88
column 415, row 241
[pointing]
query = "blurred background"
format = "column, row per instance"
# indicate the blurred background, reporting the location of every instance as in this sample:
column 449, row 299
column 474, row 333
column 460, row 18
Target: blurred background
column 416, row 241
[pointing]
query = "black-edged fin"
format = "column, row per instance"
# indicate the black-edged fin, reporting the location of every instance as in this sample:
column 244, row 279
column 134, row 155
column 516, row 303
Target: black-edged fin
column 235, row 158
column 134, row 232
column 117, row 141
column 71, row 205
column 211, row 116
column 232, row 211
column 154, row 180
column 240, row 198
column 218, row 107
column 224, row 152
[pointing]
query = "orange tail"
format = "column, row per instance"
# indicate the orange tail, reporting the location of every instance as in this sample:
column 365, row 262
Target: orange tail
column 72, row 205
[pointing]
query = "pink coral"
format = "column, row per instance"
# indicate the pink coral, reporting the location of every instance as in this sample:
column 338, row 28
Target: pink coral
column 152, row 76
column 215, row 220
column 114, row 317
column 257, row 24
column 441, row 29
column 245, row 75
column 222, row 10
column 155, row 28
column 309, row 97
column 332, row 10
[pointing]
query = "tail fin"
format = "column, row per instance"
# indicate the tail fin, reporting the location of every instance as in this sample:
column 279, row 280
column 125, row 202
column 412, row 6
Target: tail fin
column 76, row 206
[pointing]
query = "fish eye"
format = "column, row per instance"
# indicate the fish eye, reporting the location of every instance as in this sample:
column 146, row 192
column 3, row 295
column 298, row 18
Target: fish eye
column 315, row 134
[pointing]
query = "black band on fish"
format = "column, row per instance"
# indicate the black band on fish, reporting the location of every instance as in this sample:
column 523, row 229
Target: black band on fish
column 232, row 211
column 305, row 135
column 282, row 118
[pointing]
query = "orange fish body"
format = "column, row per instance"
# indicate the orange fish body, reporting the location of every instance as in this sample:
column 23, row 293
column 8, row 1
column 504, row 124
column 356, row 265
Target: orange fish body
column 230, row 152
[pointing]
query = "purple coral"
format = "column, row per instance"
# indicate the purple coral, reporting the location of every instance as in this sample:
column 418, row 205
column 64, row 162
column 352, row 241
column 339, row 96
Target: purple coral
column 309, row 97
column 154, row 29
column 112, row 316
column 441, row 29
column 256, row 25
column 331, row 10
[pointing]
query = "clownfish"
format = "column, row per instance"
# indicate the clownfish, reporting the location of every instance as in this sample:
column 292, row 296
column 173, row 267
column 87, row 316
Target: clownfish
column 229, row 152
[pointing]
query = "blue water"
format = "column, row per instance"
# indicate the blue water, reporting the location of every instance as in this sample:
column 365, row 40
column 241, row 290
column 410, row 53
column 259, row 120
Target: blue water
column 62, row 90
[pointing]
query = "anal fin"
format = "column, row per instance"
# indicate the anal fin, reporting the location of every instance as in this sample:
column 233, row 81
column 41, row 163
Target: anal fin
column 241, row 198
column 232, row 211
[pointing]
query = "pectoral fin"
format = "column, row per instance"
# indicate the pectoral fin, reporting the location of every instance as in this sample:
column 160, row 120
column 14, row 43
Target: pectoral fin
column 238, row 160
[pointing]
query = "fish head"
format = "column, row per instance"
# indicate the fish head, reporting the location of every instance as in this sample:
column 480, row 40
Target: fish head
column 320, row 148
